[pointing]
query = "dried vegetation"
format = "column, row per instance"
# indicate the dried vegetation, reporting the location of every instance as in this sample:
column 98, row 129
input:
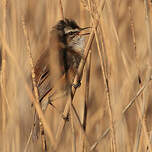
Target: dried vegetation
column 111, row 111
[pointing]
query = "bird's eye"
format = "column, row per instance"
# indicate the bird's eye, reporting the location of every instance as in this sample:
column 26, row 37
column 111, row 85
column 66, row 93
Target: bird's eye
column 70, row 33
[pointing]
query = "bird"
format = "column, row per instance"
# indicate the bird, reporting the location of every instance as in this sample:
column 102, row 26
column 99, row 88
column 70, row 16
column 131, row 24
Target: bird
column 58, row 64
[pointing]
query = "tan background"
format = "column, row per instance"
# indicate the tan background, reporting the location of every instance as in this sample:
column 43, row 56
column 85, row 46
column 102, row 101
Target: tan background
column 124, row 35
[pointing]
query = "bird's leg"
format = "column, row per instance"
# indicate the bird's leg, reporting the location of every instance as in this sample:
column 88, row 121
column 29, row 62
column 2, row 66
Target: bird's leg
column 66, row 118
column 37, row 126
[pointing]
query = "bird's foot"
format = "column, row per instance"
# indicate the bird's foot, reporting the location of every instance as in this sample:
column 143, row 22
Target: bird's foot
column 66, row 118
column 76, row 85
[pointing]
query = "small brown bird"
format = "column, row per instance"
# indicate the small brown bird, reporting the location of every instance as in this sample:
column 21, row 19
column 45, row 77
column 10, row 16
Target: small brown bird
column 57, row 66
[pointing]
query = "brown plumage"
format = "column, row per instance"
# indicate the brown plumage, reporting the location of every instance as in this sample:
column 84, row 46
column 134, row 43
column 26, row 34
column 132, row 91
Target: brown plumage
column 57, row 66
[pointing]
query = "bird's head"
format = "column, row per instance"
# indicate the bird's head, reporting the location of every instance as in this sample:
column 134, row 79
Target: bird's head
column 71, row 34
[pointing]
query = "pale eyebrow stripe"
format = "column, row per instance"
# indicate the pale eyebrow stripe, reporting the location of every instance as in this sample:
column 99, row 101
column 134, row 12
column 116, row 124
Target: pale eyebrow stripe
column 71, row 30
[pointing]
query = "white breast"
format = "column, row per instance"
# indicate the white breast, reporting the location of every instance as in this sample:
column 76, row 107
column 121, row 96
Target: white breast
column 78, row 44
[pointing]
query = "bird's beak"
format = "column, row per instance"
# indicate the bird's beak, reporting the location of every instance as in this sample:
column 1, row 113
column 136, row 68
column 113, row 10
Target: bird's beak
column 82, row 29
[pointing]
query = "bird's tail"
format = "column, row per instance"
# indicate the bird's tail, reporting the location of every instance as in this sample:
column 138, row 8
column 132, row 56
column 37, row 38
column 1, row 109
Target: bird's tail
column 36, row 126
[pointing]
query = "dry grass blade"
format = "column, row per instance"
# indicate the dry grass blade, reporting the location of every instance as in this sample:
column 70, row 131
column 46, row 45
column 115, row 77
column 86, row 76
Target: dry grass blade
column 132, row 28
column 76, row 80
column 44, row 147
column 144, row 128
column 36, row 90
column 36, row 104
column 111, row 111
column 105, row 83
column 80, row 125
column 148, row 25
column 99, row 140
column 107, row 95
column 3, row 69
column 137, row 94
column 139, row 111
column 72, row 128
column 61, row 8
column 86, row 51
column 83, row 61
column 124, row 110
column 62, row 122
column 87, row 83
column 29, row 139
column 150, row 11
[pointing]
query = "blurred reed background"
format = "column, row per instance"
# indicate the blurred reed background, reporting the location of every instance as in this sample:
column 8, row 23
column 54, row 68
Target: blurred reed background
column 113, row 104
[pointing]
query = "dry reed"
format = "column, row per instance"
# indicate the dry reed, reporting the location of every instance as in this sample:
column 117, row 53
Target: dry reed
column 111, row 111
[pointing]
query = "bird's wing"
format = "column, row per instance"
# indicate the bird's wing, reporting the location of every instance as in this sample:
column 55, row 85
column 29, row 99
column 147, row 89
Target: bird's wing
column 49, row 67
column 42, row 74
